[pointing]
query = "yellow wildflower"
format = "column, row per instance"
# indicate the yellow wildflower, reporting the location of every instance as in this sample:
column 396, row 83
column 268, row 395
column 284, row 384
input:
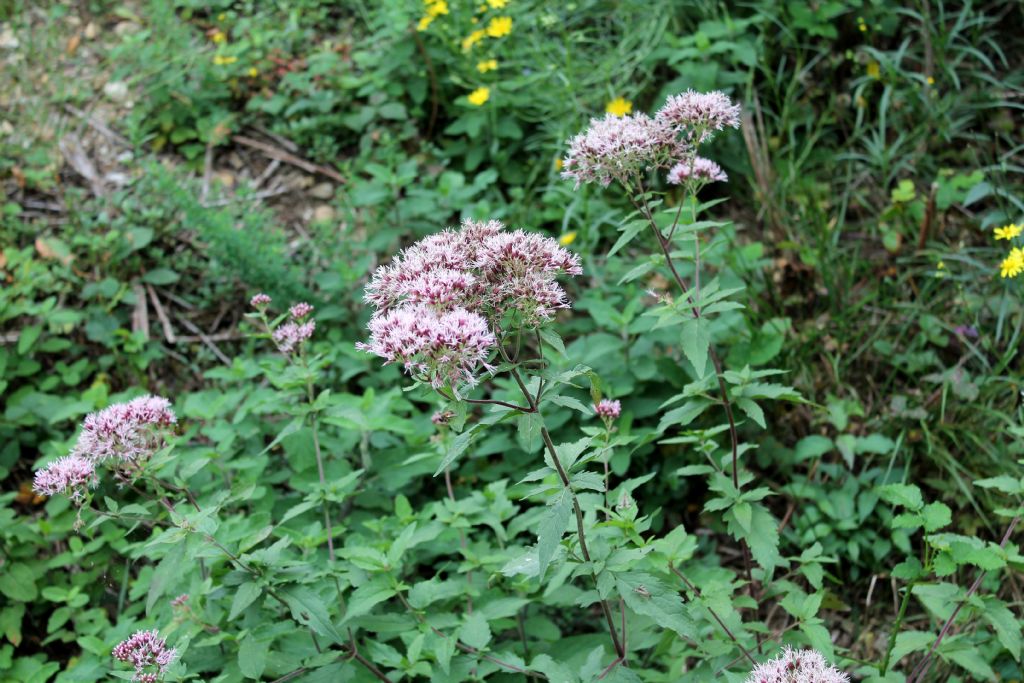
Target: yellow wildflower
column 424, row 23
column 497, row 4
column 620, row 106
column 479, row 96
column 568, row 238
column 931, row 80
column 487, row 65
column 499, row 26
column 222, row 60
column 874, row 70
column 1013, row 264
column 254, row 72
column 473, row 38
column 1008, row 232
column 218, row 36
column 437, row 8
column 222, row 16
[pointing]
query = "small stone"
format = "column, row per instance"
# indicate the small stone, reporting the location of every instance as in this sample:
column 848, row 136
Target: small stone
column 323, row 214
column 125, row 28
column 235, row 161
column 322, row 191
column 91, row 30
column 225, row 178
column 116, row 91
column 6, row 128
column 8, row 41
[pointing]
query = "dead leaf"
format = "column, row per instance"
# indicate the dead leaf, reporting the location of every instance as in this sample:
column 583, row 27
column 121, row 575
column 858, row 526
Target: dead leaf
column 73, row 43
column 53, row 249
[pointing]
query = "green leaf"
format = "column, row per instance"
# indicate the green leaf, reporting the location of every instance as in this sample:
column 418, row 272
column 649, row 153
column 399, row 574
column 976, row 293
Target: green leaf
column 1004, row 483
column 365, row 597
column 906, row 495
column 455, row 448
column 629, row 232
column 695, row 342
column 818, row 637
column 252, row 657
column 475, row 631
column 935, row 516
column 684, row 414
column 10, row 622
column 28, row 337
column 244, row 596
column 529, row 425
column 556, row 672
column 551, row 529
column 18, row 582
column 763, row 536
column 1006, row 626
column 911, row 641
column 308, row 609
column 160, row 276
column 752, row 410
column 646, row 594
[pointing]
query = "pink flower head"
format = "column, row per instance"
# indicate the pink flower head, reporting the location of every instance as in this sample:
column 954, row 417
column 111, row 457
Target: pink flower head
column 446, row 349
column 608, row 409
column 259, row 301
column 128, row 431
column 145, row 650
column 698, row 115
column 290, row 336
column 180, row 600
column 699, row 169
column 618, row 147
column 797, row 666
column 300, row 310
column 72, row 475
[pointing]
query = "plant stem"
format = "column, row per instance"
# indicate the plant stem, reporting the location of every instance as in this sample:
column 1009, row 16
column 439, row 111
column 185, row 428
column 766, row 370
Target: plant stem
column 311, row 399
column 896, row 628
column 564, row 477
column 696, row 592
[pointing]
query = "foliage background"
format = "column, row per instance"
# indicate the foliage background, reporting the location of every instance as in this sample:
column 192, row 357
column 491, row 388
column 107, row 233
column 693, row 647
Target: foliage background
column 881, row 145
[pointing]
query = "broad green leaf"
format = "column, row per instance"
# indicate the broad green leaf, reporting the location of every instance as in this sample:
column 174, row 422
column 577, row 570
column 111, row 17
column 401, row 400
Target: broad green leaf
column 252, row 657
column 646, row 594
column 695, row 342
column 244, row 596
column 455, row 448
column 1004, row 483
column 935, row 516
column 556, row 671
column 18, row 582
column 911, row 641
column 906, row 495
column 308, row 609
column 365, row 597
column 1006, row 625
column 475, row 631
column 551, row 529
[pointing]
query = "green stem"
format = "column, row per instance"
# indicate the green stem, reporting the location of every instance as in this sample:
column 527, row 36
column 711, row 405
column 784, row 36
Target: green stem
column 896, row 629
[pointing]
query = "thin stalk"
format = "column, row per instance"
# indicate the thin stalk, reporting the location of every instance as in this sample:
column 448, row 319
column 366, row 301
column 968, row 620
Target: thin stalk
column 314, row 422
column 896, row 628
column 696, row 591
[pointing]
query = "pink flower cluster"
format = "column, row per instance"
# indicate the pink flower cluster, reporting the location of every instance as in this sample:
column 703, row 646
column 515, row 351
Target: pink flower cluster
column 608, row 409
column 71, row 475
column 291, row 335
column 125, row 432
column 259, row 300
column 699, row 169
column 438, row 302
column 145, row 650
column 797, row 666
column 620, row 148
column 698, row 116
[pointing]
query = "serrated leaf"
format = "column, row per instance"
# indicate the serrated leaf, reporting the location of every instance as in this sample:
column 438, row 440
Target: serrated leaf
column 753, row 411
column 549, row 535
column 455, row 448
column 252, row 657
column 696, row 341
column 906, row 495
column 1004, row 483
column 629, row 233
column 646, row 594
column 935, row 516
column 475, row 631
column 244, row 597
column 308, row 609
column 1006, row 625
column 911, row 641
column 365, row 597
